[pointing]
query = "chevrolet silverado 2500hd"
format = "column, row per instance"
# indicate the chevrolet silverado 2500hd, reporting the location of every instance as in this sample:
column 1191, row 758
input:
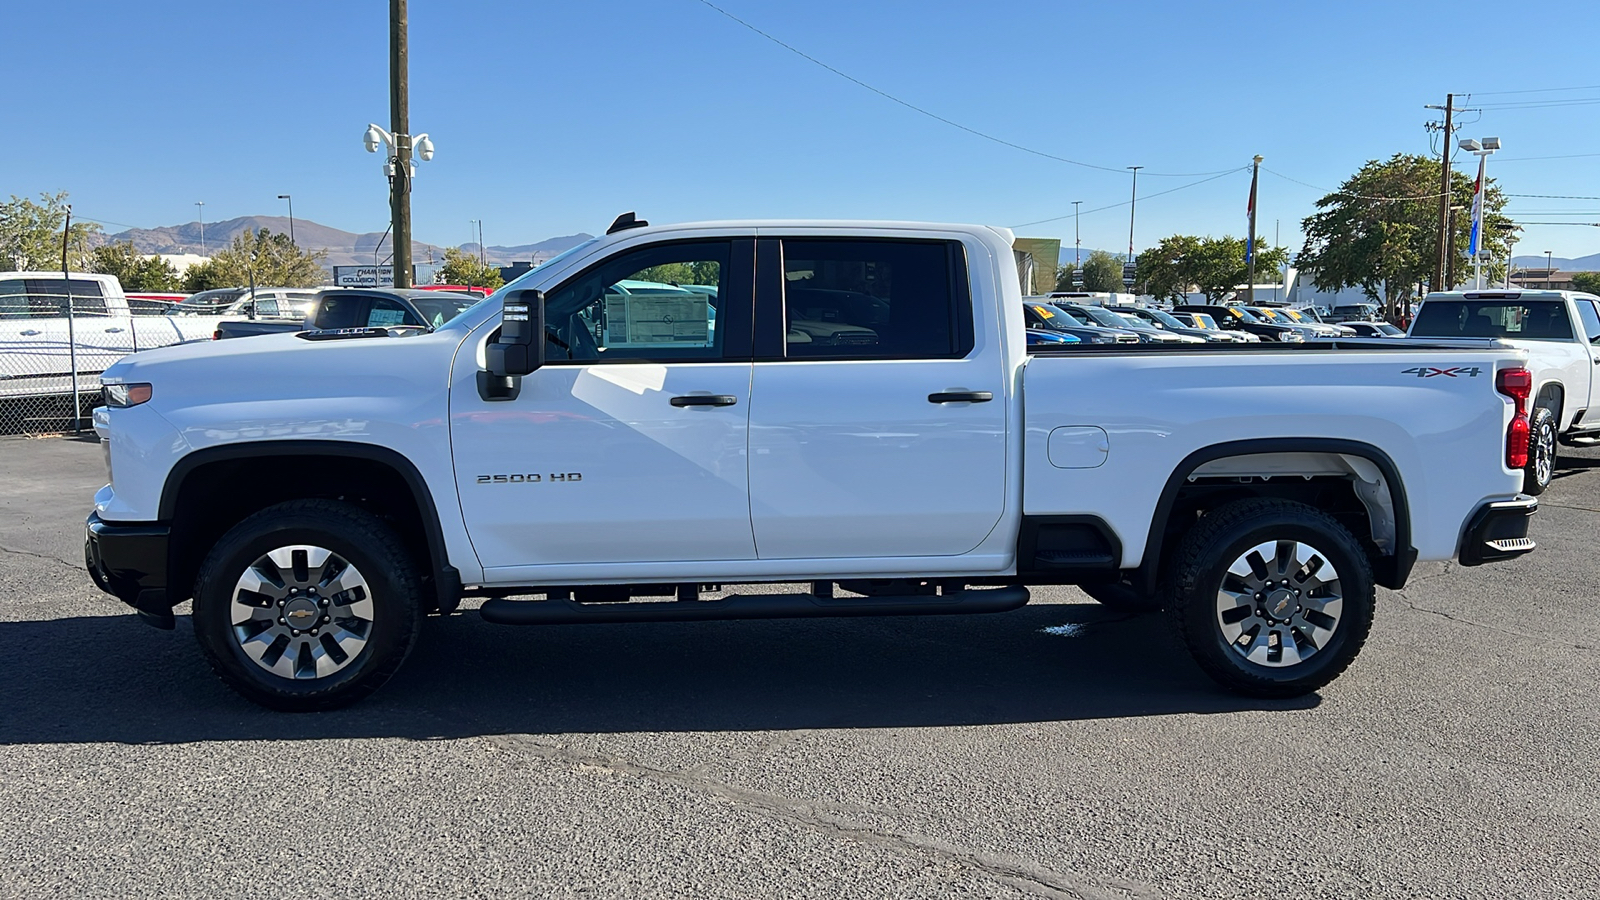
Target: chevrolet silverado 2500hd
column 863, row 418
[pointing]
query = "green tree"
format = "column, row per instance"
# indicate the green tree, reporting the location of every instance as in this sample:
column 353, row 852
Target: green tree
column 30, row 235
column 464, row 270
column 136, row 271
column 1379, row 231
column 261, row 258
column 1214, row 266
column 1586, row 281
column 704, row 271
column 1102, row 271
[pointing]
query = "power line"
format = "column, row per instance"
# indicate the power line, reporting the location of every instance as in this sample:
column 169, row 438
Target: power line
column 1128, row 202
column 1350, row 195
column 938, row 118
column 1583, row 87
column 1554, row 196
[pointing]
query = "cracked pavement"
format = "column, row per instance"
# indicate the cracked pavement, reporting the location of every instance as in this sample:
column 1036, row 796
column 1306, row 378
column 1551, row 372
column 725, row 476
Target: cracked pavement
column 1056, row 751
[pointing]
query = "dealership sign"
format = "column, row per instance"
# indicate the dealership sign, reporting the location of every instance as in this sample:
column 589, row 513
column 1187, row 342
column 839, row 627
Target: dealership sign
column 363, row 276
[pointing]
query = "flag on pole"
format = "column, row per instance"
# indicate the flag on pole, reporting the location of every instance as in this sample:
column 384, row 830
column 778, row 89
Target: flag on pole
column 1477, row 211
column 1250, row 217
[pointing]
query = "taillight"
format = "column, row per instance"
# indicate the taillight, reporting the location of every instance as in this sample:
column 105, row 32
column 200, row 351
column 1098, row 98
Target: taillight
column 1518, row 385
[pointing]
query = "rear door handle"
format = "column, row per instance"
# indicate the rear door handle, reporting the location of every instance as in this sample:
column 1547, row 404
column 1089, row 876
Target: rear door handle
column 705, row 400
column 113, row 331
column 31, row 332
column 961, row 397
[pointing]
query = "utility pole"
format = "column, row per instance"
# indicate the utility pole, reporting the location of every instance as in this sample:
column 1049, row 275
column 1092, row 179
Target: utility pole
column 1442, row 267
column 1250, row 247
column 201, row 206
column 482, row 260
column 1132, row 205
column 400, row 127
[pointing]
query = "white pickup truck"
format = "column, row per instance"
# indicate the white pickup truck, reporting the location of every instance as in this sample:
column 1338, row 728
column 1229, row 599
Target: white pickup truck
column 863, row 421
column 38, row 337
column 1560, row 330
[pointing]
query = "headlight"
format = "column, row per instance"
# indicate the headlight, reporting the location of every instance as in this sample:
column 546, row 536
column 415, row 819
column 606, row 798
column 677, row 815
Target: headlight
column 1294, row 337
column 125, row 395
column 1102, row 339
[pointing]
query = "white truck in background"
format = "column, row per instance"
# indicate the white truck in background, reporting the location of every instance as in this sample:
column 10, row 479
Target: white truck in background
column 38, row 336
column 912, row 454
column 1560, row 331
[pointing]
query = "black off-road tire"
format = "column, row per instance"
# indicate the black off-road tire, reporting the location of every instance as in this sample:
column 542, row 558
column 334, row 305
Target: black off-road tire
column 1225, row 535
column 1541, row 467
column 355, row 535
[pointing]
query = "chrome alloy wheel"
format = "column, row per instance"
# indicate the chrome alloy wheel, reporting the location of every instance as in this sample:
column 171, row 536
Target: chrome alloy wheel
column 1544, row 451
column 1279, row 603
column 301, row 612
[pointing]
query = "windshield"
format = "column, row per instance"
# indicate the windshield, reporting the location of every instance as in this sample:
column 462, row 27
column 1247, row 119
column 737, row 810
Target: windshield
column 1164, row 317
column 441, row 307
column 1203, row 320
column 516, row 283
column 1101, row 316
column 1534, row 320
column 206, row 303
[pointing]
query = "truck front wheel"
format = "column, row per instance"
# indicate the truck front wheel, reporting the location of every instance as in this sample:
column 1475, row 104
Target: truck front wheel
column 1273, row 598
column 307, row 605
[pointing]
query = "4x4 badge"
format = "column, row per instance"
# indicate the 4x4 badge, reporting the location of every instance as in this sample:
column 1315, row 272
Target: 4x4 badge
column 1452, row 372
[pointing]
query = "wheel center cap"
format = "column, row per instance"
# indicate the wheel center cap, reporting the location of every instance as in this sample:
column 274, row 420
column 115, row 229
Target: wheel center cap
column 301, row 613
column 1281, row 603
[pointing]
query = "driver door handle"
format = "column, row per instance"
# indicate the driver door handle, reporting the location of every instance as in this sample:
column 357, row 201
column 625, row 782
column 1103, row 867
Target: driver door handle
column 705, row 400
column 961, row 397
column 31, row 332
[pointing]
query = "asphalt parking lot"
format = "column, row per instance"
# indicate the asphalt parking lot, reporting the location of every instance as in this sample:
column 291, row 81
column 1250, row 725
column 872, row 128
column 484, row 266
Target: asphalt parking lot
column 981, row 756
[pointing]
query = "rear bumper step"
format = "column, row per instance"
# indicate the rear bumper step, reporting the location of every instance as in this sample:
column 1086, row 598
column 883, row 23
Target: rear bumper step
column 750, row 606
column 1498, row 531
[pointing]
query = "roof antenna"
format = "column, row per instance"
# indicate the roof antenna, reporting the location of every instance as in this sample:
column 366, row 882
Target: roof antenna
column 624, row 222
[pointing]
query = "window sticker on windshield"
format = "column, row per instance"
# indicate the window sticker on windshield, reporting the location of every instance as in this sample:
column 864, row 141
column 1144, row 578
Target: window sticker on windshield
column 1044, row 313
column 383, row 318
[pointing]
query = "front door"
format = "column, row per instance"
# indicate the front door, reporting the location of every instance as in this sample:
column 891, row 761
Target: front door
column 876, row 427
column 629, row 444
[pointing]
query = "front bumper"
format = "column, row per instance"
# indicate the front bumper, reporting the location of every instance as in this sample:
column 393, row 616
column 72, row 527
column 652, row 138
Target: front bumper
column 129, row 562
column 1498, row 531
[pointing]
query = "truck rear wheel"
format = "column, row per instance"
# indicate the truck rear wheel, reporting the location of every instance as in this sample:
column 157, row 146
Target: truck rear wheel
column 1273, row 598
column 307, row 605
column 1541, row 467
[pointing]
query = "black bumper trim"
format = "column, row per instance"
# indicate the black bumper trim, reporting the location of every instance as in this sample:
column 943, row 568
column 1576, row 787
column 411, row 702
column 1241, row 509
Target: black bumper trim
column 129, row 562
column 1498, row 531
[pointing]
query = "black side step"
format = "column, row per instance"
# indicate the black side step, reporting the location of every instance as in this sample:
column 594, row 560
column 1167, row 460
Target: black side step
column 750, row 606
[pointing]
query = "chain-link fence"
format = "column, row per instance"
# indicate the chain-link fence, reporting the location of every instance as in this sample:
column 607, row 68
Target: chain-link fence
column 58, row 334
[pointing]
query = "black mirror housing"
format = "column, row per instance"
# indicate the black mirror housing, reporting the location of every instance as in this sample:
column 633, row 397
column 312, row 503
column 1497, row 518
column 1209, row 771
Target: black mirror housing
column 520, row 347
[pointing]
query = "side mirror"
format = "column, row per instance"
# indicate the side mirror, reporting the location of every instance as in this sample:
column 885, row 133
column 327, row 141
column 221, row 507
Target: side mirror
column 519, row 350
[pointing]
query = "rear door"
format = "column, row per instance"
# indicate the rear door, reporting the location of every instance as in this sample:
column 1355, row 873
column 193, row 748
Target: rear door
column 876, row 430
column 1589, row 325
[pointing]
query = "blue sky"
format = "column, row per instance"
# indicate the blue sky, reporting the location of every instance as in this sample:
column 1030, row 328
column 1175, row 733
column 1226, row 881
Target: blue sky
column 551, row 118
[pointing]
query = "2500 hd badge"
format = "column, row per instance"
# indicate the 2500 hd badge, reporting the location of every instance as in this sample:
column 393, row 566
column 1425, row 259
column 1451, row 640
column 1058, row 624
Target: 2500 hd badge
column 532, row 478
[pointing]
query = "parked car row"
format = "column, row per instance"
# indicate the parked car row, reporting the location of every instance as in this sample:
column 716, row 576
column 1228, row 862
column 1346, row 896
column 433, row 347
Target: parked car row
column 1190, row 324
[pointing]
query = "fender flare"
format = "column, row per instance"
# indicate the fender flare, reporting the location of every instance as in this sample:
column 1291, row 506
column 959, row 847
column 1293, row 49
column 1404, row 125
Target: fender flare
column 1390, row 572
column 447, row 580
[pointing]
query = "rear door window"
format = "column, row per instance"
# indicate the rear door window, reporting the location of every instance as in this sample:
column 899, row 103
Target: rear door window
column 875, row 299
column 1591, row 320
column 48, row 297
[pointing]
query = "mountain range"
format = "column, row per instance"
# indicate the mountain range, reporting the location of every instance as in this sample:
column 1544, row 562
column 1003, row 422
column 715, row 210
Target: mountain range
column 1590, row 263
column 343, row 248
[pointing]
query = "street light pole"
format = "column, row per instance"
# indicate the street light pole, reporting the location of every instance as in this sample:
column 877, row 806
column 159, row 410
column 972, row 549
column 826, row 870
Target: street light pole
column 291, row 219
column 1132, row 206
column 1549, row 271
column 1077, row 238
column 201, row 206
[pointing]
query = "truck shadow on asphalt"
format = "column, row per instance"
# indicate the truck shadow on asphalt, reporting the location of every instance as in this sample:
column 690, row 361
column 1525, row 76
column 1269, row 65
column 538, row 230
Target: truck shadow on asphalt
column 1568, row 465
column 99, row 679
